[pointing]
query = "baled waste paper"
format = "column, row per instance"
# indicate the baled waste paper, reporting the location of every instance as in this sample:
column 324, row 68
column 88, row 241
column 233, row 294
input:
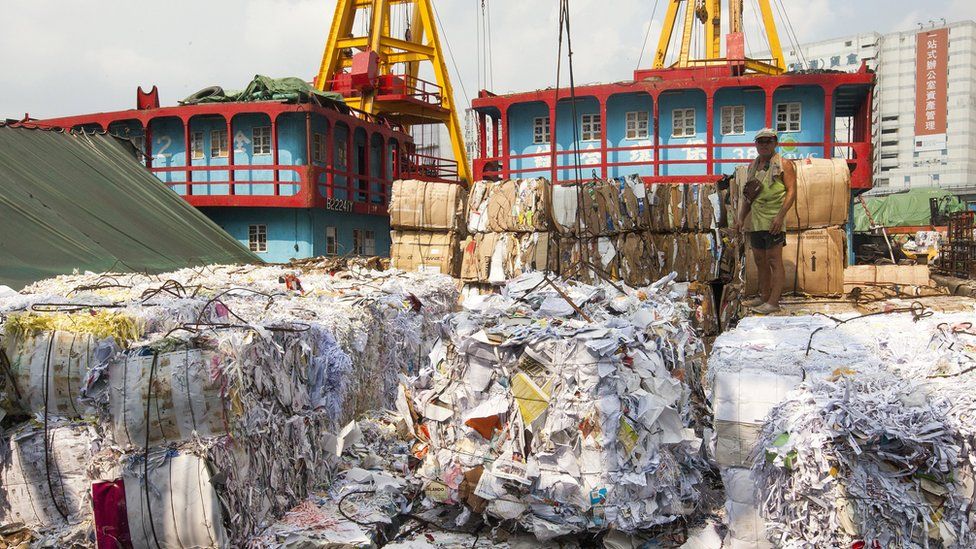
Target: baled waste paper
column 616, row 228
column 835, row 431
column 224, row 387
column 563, row 406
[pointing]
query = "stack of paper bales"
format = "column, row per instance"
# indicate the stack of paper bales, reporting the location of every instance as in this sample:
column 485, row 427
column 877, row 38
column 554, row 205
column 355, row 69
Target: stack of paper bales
column 218, row 394
column 427, row 219
column 509, row 224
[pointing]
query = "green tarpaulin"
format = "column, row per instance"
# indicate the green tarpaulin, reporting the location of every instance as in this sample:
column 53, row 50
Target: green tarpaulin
column 904, row 209
column 263, row 88
column 82, row 201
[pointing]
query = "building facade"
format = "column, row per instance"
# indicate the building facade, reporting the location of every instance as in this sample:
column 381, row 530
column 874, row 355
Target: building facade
column 288, row 180
column 674, row 125
column 924, row 102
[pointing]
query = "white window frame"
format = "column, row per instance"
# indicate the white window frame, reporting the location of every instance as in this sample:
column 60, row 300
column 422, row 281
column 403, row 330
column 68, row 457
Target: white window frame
column 342, row 154
column 729, row 114
column 331, row 241
column 218, row 143
column 196, row 146
column 363, row 242
column 785, row 122
column 319, row 147
column 684, row 129
column 637, row 125
column 261, row 140
column 590, row 127
column 540, row 131
column 257, row 238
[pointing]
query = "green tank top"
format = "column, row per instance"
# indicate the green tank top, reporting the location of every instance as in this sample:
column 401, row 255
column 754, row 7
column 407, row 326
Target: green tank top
column 771, row 194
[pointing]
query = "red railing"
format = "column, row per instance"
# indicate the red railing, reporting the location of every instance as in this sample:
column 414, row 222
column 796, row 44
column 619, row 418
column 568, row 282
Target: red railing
column 412, row 87
column 858, row 157
column 393, row 87
column 309, row 188
column 428, row 168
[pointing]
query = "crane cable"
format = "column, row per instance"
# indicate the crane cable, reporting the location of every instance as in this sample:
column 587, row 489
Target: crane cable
column 647, row 34
column 564, row 24
column 486, row 5
column 479, row 45
column 794, row 39
column 450, row 52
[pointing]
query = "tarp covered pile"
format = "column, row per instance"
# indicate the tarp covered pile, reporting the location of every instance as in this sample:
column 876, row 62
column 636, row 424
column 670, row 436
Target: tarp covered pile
column 562, row 406
column 834, row 433
column 194, row 408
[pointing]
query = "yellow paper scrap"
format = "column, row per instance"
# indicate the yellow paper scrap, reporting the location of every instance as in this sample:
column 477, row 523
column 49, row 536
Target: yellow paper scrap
column 532, row 400
column 627, row 435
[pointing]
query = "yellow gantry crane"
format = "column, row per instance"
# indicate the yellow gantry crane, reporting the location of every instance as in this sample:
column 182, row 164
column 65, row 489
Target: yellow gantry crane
column 377, row 72
column 709, row 14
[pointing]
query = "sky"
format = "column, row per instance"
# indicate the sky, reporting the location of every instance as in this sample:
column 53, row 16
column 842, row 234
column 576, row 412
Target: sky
column 63, row 57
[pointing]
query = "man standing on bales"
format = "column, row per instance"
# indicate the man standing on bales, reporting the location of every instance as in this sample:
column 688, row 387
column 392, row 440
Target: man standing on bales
column 769, row 194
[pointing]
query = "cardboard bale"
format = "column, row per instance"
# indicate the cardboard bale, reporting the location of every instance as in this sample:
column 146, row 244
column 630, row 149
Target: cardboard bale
column 907, row 275
column 425, row 252
column 469, row 258
column 636, row 259
column 590, row 209
column 704, row 207
column 823, row 194
column 517, row 205
column 428, row 205
column 814, row 262
column 708, row 256
column 501, row 204
column 659, row 207
column 533, row 208
column 675, row 220
column 664, row 253
column 576, row 255
column 565, row 208
column 477, row 214
column 533, row 252
column 636, row 200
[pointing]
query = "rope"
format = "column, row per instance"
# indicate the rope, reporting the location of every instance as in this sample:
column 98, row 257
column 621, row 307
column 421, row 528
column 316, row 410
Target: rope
column 145, row 463
column 47, row 446
column 491, row 58
column 794, row 40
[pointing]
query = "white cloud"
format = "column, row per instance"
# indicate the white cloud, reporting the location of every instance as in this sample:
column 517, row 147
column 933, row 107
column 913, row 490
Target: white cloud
column 65, row 58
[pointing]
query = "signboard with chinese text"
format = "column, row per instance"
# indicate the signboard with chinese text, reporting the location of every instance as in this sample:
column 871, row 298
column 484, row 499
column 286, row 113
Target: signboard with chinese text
column 931, row 87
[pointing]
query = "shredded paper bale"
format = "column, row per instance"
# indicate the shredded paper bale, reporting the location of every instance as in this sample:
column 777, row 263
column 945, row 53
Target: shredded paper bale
column 223, row 388
column 833, row 432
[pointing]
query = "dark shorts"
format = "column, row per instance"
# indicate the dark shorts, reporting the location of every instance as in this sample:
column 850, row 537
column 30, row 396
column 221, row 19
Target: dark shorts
column 763, row 240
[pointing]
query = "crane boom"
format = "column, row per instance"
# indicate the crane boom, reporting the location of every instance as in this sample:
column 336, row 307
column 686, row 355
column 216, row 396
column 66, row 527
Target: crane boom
column 377, row 72
column 709, row 12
